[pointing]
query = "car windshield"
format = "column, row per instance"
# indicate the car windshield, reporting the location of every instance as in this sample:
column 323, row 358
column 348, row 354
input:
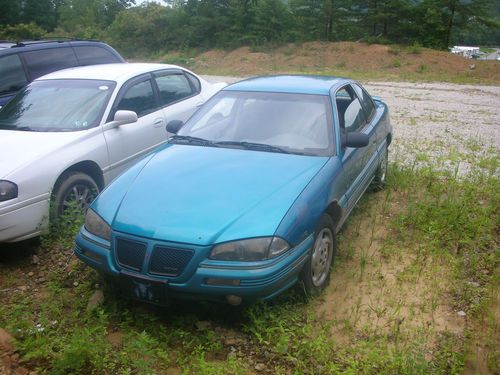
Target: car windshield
column 273, row 122
column 57, row 105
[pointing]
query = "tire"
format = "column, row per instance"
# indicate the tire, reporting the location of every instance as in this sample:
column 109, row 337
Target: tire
column 73, row 189
column 316, row 272
column 379, row 180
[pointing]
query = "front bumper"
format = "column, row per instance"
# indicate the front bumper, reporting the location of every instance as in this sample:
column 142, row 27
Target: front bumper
column 22, row 220
column 249, row 280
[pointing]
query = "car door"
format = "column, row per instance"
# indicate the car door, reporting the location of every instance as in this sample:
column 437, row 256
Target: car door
column 129, row 142
column 179, row 94
column 355, row 161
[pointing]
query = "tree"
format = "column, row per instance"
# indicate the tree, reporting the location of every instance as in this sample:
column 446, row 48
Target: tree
column 441, row 18
column 11, row 12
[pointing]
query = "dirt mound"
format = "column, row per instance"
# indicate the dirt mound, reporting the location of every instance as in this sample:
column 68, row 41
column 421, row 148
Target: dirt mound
column 359, row 60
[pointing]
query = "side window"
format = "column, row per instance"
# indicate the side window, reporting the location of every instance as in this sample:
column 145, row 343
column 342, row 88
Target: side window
column 12, row 76
column 138, row 98
column 366, row 101
column 173, row 87
column 194, row 81
column 351, row 116
column 90, row 55
column 49, row 60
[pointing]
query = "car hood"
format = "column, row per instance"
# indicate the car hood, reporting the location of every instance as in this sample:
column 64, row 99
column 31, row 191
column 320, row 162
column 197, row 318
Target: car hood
column 204, row 195
column 20, row 148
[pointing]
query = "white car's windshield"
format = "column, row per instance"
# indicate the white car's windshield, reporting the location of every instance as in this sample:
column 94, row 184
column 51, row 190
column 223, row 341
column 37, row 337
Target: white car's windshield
column 294, row 123
column 57, row 105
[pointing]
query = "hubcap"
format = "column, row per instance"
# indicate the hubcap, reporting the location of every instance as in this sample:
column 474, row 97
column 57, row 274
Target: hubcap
column 322, row 256
column 78, row 197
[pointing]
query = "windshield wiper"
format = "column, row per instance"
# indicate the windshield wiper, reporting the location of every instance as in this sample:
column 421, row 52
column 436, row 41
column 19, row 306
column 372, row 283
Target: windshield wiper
column 253, row 146
column 191, row 140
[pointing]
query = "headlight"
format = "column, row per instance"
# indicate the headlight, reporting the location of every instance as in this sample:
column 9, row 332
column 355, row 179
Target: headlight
column 8, row 190
column 250, row 250
column 97, row 226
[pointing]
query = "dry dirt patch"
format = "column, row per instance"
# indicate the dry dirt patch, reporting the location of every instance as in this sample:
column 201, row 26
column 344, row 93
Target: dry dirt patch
column 379, row 288
column 341, row 58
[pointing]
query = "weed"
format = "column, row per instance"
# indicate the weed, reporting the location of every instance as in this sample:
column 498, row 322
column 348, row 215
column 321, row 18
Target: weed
column 422, row 68
column 179, row 60
column 415, row 48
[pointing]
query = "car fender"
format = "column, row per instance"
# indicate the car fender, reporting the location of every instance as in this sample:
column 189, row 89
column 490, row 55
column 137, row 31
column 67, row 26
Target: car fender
column 324, row 188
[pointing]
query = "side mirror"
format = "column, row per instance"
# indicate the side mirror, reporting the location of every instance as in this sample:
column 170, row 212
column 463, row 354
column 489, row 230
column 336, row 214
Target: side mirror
column 174, row 126
column 122, row 117
column 356, row 140
column 125, row 117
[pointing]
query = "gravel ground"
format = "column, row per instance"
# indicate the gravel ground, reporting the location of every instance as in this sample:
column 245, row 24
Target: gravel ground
column 448, row 123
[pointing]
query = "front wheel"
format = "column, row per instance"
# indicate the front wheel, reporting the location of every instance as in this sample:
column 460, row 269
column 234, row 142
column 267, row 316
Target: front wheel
column 74, row 191
column 316, row 272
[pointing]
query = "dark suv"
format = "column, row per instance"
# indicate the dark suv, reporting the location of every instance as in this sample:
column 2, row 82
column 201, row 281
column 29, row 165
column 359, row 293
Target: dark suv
column 22, row 62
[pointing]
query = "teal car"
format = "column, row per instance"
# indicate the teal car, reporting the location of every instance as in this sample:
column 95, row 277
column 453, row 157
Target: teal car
column 246, row 197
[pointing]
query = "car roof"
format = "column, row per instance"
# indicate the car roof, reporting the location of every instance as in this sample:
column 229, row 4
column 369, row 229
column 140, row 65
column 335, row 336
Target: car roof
column 297, row 84
column 10, row 47
column 119, row 72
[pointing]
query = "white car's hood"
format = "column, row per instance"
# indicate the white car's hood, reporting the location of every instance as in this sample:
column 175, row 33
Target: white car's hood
column 20, row 148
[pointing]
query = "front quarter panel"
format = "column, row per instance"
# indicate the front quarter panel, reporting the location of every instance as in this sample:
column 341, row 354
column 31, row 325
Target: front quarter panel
column 302, row 218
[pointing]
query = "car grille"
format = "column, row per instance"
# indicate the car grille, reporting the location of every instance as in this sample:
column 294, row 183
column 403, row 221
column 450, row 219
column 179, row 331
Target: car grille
column 130, row 254
column 167, row 261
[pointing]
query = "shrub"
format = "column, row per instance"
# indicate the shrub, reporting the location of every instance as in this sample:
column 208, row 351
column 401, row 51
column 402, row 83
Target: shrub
column 21, row 31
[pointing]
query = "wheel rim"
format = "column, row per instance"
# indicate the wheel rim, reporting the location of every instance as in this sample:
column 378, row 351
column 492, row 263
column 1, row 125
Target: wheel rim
column 79, row 197
column 321, row 256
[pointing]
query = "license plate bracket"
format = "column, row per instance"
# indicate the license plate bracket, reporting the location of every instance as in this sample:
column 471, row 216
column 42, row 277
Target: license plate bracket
column 144, row 288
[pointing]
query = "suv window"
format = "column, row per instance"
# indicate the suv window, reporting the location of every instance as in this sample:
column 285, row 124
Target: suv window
column 366, row 101
column 90, row 55
column 138, row 98
column 12, row 76
column 172, row 87
column 351, row 115
column 45, row 61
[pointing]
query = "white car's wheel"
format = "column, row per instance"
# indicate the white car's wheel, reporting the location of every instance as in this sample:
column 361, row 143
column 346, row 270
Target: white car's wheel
column 74, row 190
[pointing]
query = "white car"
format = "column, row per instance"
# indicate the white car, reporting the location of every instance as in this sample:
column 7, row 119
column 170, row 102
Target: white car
column 68, row 134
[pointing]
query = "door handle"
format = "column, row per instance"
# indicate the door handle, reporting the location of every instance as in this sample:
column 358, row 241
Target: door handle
column 158, row 122
column 199, row 104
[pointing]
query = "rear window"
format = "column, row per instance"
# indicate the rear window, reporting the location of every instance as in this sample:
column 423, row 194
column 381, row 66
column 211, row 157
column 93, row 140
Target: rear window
column 49, row 60
column 12, row 76
column 90, row 55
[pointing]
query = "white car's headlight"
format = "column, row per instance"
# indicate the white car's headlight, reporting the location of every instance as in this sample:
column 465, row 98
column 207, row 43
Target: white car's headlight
column 8, row 190
column 250, row 250
column 97, row 226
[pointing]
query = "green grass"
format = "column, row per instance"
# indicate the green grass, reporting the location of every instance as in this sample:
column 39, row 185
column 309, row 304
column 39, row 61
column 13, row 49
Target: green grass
column 433, row 221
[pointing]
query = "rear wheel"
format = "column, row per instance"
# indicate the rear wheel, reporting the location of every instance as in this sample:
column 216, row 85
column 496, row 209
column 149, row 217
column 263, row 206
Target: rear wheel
column 381, row 173
column 74, row 191
column 316, row 272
